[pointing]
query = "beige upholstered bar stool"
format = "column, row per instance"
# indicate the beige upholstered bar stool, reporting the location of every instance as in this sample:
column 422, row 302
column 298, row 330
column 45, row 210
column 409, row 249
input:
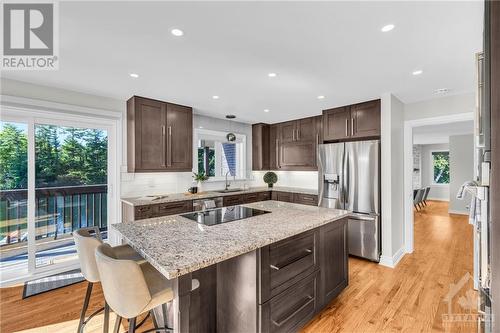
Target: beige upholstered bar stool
column 86, row 241
column 132, row 288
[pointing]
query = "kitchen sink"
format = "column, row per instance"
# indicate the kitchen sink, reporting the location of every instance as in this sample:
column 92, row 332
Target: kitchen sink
column 229, row 190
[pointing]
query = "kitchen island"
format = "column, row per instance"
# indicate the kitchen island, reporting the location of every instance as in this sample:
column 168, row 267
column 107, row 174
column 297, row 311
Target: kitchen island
column 267, row 273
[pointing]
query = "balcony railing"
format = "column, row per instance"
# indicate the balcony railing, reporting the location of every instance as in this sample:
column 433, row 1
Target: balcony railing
column 58, row 212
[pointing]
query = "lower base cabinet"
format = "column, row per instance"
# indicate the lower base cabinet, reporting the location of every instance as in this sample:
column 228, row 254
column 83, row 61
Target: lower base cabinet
column 293, row 308
column 282, row 286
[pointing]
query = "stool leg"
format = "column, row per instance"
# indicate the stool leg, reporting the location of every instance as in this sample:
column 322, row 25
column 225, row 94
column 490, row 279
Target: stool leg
column 155, row 323
column 131, row 326
column 105, row 328
column 85, row 306
column 117, row 324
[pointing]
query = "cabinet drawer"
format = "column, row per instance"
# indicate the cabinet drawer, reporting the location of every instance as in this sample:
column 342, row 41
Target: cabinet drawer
column 143, row 212
column 290, row 310
column 282, row 196
column 233, row 200
column 251, row 197
column 306, row 199
column 286, row 262
column 263, row 196
column 172, row 208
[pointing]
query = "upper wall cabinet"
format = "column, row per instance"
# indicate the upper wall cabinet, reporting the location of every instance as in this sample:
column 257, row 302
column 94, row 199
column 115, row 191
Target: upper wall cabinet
column 159, row 136
column 260, row 147
column 352, row 122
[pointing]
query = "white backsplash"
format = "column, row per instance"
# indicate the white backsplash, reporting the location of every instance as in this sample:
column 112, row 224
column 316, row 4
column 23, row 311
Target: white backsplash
column 140, row 184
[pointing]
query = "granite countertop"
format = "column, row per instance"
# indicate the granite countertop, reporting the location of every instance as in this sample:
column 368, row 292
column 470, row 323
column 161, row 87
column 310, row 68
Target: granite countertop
column 143, row 201
column 175, row 245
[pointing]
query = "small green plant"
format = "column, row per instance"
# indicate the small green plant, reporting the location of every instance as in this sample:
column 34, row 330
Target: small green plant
column 270, row 178
column 200, row 176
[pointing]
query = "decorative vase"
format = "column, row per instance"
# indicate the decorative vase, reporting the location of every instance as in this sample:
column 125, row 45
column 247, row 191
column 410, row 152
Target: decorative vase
column 200, row 186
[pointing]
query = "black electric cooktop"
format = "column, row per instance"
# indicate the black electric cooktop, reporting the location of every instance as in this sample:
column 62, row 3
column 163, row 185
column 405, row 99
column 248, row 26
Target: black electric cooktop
column 223, row 215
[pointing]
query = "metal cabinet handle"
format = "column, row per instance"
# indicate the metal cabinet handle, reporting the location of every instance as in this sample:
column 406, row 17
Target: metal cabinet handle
column 277, row 154
column 352, row 126
column 346, row 127
column 163, row 144
column 293, row 135
column 169, row 161
column 298, row 135
column 291, row 261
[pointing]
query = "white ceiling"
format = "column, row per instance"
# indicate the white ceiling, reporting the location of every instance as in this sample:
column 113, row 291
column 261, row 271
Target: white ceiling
column 433, row 134
column 334, row 49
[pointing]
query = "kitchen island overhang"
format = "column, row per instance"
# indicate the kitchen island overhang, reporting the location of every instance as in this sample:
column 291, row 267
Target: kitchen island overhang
column 270, row 272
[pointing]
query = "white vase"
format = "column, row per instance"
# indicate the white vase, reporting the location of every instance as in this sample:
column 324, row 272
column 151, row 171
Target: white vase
column 200, row 186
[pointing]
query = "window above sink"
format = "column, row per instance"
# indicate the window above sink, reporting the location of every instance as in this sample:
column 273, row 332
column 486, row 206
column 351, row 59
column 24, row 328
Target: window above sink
column 217, row 156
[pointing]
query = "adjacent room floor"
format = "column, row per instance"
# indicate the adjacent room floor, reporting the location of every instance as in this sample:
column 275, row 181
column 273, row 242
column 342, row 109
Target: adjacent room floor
column 410, row 298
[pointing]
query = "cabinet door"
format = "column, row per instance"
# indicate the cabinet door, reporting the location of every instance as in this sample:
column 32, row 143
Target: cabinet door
column 306, row 129
column 365, row 119
column 288, row 131
column 319, row 129
column 146, row 121
column 179, row 138
column 334, row 259
column 336, row 123
column 282, row 196
column 273, row 147
column 260, row 147
column 299, row 155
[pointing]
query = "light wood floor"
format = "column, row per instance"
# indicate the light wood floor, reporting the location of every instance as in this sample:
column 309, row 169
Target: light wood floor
column 409, row 298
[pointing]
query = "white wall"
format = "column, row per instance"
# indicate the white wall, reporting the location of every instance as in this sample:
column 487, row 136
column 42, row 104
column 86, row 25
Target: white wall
column 437, row 192
column 461, row 170
column 392, row 179
column 463, row 103
column 300, row 179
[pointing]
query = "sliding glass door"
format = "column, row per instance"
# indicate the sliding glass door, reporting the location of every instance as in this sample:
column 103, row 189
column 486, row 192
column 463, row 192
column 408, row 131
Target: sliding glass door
column 54, row 178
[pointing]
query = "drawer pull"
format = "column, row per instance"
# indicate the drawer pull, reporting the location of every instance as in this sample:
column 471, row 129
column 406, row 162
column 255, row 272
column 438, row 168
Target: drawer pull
column 291, row 261
column 296, row 309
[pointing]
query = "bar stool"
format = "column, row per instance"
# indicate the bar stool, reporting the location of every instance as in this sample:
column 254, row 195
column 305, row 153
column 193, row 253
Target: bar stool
column 132, row 288
column 86, row 241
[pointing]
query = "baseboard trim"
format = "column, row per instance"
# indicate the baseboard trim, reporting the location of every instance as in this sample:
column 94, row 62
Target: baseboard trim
column 393, row 261
column 458, row 212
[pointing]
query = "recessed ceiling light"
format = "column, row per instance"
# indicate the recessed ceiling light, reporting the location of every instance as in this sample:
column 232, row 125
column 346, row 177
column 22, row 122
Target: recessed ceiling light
column 134, row 75
column 387, row 28
column 321, row 97
column 200, row 127
column 417, row 72
column 215, row 97
column 177, row 32
column 272, row 74
column 441, row 91
column 266, row 110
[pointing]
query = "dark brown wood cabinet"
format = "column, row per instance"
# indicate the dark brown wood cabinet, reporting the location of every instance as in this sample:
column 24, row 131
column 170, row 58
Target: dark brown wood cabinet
column 282, row 196
column 336, row 123
column 132, row 213
column 260, row 147
column 305, row 199
column 179, row 133
column 352, row 122
column 297, row 151
column 365, row 119
column 333, row 260
column 159, row 136
column 273, row 147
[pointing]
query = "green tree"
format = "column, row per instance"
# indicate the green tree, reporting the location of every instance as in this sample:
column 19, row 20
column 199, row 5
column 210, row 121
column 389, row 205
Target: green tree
column 13, row 158
column 96, row 156
column 441, row 162
column 73, row 157
column 47, row 160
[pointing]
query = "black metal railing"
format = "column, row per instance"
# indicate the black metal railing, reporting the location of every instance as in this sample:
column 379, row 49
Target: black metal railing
column 58, row 211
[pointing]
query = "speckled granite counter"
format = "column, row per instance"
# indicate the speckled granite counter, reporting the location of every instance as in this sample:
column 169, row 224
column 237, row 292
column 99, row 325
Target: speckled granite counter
column 141, row 201
column 176, row 246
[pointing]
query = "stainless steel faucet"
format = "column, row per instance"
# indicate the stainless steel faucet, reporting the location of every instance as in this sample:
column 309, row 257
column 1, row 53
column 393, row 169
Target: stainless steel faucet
column 227, row 182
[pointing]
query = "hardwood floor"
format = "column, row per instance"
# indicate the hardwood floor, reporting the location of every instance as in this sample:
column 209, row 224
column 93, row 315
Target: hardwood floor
column 409, row 298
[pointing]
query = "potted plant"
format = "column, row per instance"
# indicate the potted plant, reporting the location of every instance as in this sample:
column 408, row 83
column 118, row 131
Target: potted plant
column 200, row 177
column 270, row 178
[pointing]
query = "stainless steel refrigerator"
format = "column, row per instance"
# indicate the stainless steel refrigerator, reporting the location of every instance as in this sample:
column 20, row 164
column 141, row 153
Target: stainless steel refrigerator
column 349, row 178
